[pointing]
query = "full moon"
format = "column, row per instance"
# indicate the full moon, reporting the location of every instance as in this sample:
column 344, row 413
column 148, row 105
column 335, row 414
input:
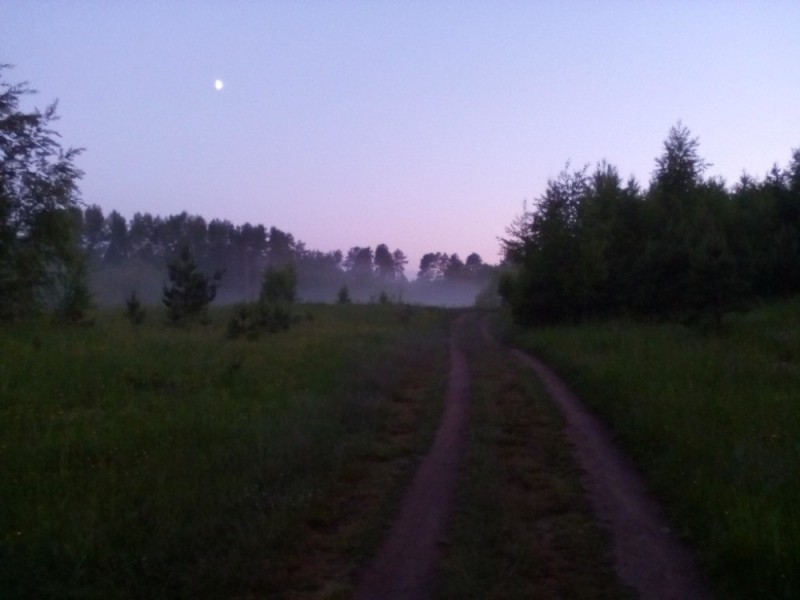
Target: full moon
column 218, row 85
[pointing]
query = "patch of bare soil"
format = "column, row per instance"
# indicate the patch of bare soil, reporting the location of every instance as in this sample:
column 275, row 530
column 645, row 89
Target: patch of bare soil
column 404, row 568
column 648, row 556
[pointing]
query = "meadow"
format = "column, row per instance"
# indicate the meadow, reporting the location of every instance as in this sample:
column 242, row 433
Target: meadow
column 160, row 462
column 713, row 419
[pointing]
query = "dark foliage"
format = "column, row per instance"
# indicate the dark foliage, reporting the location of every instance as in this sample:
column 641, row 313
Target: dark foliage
column 687, row 248
column 189, row 291
column 278, row 284
column 343, row 297
column 74, row 298
column 40, row 258
column 252, row 320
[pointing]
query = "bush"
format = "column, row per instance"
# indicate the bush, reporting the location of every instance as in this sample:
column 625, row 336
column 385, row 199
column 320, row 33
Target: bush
column 250, row 321
column 278, row 285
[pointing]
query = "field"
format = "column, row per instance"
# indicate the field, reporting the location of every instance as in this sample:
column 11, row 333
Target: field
column 154, row 462
column 162, row 462
column 714, row 421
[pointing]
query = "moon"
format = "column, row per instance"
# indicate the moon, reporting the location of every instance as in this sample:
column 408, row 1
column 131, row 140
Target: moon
column 218, row 85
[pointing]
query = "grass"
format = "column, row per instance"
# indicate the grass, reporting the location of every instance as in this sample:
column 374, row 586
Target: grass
column 714, row 422
column 522, row 527
column 160, row 463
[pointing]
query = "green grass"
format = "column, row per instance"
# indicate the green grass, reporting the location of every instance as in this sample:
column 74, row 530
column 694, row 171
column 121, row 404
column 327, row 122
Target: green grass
column 714, row 421
column 159, row 462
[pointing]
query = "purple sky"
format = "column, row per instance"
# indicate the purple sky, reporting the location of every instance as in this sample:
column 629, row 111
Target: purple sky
column 422, row 125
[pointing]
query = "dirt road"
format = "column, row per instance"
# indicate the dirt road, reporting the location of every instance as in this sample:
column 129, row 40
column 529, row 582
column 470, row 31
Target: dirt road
column 405, row 566
column 648, row 557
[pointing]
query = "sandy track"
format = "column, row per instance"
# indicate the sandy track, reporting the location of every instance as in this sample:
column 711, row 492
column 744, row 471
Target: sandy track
column 404, row 567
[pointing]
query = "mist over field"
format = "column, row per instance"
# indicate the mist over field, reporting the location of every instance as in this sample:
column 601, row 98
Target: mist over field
column 126, row 257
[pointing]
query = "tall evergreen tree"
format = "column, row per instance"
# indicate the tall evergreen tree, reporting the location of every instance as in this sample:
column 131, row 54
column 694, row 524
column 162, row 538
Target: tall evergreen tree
column 674, row 221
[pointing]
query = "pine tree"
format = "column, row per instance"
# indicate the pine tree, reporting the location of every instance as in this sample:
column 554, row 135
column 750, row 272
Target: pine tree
column 190, row 291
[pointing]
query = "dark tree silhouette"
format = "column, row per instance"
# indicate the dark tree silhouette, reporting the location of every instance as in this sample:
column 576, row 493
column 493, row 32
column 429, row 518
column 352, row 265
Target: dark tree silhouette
column 189, row 291
column 686, row 249
column 94, row 230
column 279, row 285
column 384, row 263
column 343, row 297
column 399, row 260
column 117, row 227
column 40, row 258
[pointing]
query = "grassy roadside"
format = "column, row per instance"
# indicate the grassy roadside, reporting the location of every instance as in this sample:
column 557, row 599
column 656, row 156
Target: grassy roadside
column 522, row 527
column 160, row 463
column 714, row 422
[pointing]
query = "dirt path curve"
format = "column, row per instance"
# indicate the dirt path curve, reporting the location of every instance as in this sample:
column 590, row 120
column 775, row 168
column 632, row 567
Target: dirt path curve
column 648, row 557
column 404, row 567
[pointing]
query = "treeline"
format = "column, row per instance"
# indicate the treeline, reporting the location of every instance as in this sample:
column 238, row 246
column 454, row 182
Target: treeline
column 57, row 255
column 688, row 247
column 126, row 256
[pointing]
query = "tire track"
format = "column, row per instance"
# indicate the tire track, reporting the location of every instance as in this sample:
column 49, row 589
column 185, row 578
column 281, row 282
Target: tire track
column 648, row 556
column 405, row 566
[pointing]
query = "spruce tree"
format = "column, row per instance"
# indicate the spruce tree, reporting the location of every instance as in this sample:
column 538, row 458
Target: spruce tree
column 190, row 291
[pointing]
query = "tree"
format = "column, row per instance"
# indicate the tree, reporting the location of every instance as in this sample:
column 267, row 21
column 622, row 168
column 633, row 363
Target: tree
column 343, row 297
column 280, row 247
column 553, row 281
column 38, row 188
column 384, row 263
column 454, row 269
column 679, row 170
column 359, row 262
column 143, row 240
column 249, row 250
column 272, row 312
column 432, row 266
column 399, row 260
column 117, row 228
column 686, row 266
column 190, row 291
column 611, row 239
column 278, row 285
column 517, row 233
column 94, row 229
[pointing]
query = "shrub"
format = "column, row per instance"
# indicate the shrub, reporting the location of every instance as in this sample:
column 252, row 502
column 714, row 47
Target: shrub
column 252, row 320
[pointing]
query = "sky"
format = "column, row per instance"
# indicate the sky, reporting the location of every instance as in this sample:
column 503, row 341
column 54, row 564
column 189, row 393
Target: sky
column 421, row 125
